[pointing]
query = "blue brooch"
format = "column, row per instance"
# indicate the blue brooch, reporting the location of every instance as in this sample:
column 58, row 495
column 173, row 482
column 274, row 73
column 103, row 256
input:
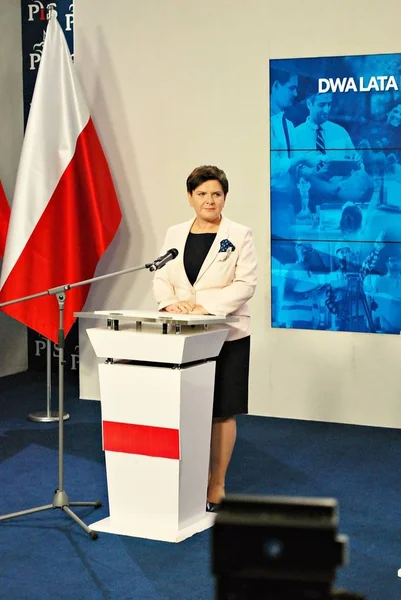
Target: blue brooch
column 227, row 247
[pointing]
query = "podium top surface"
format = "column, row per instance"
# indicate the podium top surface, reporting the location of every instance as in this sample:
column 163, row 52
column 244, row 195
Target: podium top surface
column 154, row 316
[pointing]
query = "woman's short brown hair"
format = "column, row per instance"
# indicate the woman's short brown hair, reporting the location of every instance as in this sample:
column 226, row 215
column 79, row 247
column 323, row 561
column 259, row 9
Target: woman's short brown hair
column 206, row 173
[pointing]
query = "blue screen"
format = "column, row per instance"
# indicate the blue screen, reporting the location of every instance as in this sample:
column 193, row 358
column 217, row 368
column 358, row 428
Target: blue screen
column 335, row 139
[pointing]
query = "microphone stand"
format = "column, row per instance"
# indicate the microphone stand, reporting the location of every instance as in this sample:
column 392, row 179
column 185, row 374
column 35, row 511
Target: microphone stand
column 60, row 499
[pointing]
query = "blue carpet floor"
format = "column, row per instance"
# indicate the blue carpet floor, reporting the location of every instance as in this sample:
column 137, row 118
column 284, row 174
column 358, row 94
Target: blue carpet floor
column 47, row 556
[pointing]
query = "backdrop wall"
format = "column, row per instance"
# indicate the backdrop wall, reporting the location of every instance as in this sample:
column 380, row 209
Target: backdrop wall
column 173, row 84
column 13, row 357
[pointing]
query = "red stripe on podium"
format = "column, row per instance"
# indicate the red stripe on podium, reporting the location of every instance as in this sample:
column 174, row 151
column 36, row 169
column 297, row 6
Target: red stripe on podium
column 141, row 439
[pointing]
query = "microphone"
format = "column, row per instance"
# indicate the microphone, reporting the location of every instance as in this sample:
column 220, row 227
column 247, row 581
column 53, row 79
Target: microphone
column 159, row 263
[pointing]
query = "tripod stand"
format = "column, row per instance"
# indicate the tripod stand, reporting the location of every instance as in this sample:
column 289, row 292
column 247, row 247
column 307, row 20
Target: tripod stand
column 355, row 298
column 60, row 499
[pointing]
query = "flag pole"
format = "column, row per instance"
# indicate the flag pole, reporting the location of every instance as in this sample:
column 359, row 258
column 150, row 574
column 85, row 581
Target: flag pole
column 49, row 415
column 60, row 499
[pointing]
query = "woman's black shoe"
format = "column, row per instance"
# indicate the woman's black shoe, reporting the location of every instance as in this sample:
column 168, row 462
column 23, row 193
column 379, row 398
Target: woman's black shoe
column 212, row 507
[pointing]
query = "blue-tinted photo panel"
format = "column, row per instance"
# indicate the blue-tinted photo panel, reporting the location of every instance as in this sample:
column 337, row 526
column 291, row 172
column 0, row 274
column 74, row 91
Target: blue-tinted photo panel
column 299, row 276
column 330, row 197
column 349, row 99
column 335, row 162
column 337, row 286
column 382, row 286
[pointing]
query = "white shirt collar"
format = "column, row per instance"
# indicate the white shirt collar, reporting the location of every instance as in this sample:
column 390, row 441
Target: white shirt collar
column 313, row 125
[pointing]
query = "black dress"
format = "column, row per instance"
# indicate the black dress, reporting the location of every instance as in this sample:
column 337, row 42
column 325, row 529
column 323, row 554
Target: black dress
column 232, row 364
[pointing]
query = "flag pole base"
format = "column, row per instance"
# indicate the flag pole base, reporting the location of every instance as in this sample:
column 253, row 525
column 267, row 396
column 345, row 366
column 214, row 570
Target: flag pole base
column 47, row 416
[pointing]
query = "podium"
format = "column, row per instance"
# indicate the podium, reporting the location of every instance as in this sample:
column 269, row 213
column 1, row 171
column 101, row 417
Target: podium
column 156, row 392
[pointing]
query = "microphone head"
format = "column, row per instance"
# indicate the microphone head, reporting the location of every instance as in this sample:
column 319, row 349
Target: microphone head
column 163, row 260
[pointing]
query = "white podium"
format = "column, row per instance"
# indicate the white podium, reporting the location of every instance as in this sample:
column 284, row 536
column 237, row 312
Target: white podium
column 156, row 392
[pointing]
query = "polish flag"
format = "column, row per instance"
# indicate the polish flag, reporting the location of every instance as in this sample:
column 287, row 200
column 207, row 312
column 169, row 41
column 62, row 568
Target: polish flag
column 4, row 219
column 65, row 211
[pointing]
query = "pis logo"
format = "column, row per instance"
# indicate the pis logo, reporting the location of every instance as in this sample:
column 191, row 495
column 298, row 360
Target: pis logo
column 69, row 18
column 38, row 10
column 36, row 55
column 72, row 360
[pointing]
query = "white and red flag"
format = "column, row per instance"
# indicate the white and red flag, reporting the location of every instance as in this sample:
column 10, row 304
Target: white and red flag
column 4, row 219
column 65, row 211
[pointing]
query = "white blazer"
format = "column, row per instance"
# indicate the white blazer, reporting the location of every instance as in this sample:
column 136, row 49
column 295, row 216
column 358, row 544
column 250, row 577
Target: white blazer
column 226, row 280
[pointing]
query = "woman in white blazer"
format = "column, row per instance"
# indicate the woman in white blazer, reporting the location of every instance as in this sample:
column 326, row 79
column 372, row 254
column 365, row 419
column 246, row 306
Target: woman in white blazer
column 214, row 274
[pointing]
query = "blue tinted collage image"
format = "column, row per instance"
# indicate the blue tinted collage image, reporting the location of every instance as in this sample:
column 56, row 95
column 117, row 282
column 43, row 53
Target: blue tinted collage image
column 335, row 165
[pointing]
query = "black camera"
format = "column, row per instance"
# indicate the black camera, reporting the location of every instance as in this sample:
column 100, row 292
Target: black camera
column 278, row 548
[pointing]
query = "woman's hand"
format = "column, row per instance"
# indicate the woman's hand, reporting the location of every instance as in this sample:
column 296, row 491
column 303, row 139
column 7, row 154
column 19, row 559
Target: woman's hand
column 183, row 307
column 199, row 310
column 186, row 307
